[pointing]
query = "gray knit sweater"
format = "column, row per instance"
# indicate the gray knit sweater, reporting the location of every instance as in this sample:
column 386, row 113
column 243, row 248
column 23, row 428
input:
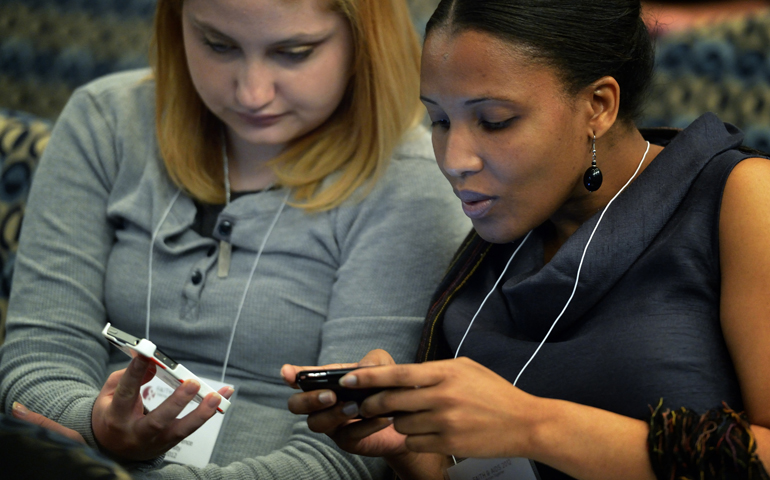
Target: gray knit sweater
column 328, row 287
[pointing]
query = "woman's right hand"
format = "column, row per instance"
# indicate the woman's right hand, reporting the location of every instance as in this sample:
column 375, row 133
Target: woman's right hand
column 122, row 427
column 374, row 437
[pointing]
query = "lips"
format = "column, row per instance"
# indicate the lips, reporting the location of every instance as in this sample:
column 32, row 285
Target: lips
column 475, row 205
column 261, row 120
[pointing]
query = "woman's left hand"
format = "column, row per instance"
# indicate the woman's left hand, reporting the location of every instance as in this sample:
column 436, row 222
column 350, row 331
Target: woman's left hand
column 455, row 407
column 23, row 413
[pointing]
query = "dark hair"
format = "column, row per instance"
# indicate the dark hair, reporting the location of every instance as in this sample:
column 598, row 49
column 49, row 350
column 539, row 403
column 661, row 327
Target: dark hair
column 584, row 41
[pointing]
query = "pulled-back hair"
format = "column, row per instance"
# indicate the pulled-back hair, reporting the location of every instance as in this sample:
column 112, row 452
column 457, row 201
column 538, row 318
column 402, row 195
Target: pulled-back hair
column 583, row 41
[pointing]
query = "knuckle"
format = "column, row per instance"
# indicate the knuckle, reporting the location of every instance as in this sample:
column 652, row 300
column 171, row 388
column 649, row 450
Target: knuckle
column 452, row 425
column 296, row 404
column 180, row 399
column 316, row 424
column 122, row 390
column 450, row 444
column 415, row 444
column 401, row 371
column 155, row 424
column 387, row 401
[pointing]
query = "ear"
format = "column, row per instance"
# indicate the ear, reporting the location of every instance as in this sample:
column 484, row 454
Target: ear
column 604, row 100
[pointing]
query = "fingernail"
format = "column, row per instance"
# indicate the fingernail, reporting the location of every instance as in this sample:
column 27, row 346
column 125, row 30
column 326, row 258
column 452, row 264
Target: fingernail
column 191, row 387
column 20, row 410
column 326, row 398
column 214, row 400
column 350, row 409
column 230, row 391
column 349, row 381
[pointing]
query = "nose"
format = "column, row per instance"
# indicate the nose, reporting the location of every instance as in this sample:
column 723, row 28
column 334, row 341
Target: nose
column 255, row 86
column 456, row 154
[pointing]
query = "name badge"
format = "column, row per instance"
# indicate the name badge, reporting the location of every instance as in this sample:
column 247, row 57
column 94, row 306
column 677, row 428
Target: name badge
column 196, row 449
column 494, row 468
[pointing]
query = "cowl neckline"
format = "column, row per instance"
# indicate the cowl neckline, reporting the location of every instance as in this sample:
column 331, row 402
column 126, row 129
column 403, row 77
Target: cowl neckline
column 535, row 293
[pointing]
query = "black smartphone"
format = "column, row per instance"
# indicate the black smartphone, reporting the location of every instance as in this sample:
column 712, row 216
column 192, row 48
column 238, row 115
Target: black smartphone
column 309, row 380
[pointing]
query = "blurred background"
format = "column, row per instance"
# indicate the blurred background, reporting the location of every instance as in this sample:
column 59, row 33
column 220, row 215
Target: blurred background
column 711, row 56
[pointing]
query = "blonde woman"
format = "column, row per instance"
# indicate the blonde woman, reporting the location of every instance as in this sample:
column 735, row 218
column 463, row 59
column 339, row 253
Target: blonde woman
column 264, row 195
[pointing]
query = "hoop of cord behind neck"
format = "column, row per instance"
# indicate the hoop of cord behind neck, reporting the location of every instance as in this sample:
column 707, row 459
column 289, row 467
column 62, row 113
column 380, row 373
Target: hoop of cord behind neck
column 153, row 239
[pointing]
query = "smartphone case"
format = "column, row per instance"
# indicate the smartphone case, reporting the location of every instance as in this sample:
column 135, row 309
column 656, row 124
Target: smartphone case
column 171, row 372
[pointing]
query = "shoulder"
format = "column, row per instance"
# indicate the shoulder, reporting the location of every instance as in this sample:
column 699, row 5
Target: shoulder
column 413, row 172
column 119, row 82
column 744, row 255
column 744, row 216
column 128, row 94
column 747, row 184
column 415, row 145
column 412, row 192
column 107, row 123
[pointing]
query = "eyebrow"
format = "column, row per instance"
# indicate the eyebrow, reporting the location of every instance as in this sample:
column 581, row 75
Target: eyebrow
column 201, row 25
column 300, row 38
column 427, row 100
column 472, row 101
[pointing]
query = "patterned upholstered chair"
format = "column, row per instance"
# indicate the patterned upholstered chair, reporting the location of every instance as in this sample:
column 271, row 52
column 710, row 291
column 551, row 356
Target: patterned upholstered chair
column 22, row 140
column 722, row 67
column 50, row 47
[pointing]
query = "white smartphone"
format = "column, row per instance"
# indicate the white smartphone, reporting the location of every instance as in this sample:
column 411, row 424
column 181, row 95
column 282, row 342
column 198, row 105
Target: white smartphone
column 171, row 372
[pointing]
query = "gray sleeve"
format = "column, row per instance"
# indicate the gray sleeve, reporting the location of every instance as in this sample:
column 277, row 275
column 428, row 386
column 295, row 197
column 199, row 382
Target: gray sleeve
column 395, row 247
column 53, row 360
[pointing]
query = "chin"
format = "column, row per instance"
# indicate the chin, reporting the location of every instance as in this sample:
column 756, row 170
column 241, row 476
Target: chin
column 494, row 235
column 493, row 232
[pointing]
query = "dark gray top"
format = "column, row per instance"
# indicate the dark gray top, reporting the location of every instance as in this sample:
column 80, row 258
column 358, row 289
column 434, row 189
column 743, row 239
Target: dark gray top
column 644, row 323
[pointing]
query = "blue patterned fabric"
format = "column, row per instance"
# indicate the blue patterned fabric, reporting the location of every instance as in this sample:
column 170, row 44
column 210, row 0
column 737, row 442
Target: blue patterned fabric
column 22, row 140
column 49, row 47
column 722, row 68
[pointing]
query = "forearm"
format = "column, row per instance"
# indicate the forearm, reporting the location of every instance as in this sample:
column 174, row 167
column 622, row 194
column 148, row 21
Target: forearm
column 418, row 466
column 48, row 383
column 589, row 443
column 762, row 435
column 305, row 456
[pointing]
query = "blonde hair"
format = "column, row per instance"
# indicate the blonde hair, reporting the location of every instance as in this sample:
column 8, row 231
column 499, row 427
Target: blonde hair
column 355, row 144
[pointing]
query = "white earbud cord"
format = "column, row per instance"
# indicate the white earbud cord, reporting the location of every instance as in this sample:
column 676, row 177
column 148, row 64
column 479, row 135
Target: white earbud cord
column 580, row 266
column 248, row 282
column 149, row 266
column 491, row 291
column 577, row 275
column 574, row 288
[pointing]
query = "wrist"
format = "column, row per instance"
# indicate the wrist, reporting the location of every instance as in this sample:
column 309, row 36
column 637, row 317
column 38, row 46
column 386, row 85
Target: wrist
column 417, row 466
column 542, row 430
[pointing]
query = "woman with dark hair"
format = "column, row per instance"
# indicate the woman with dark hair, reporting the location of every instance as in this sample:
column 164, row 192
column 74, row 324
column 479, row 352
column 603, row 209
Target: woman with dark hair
column 608, row 316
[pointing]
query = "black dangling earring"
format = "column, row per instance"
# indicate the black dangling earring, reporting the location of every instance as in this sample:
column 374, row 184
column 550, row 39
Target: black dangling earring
column 592, row 179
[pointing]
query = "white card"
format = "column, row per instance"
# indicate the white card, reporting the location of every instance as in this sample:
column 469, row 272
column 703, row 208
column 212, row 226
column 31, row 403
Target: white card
column 196, row 449
column 493, row 468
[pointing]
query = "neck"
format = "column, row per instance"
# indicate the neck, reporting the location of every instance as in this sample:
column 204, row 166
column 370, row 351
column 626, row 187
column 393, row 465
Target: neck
column 618, row 156
column 249, row 165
